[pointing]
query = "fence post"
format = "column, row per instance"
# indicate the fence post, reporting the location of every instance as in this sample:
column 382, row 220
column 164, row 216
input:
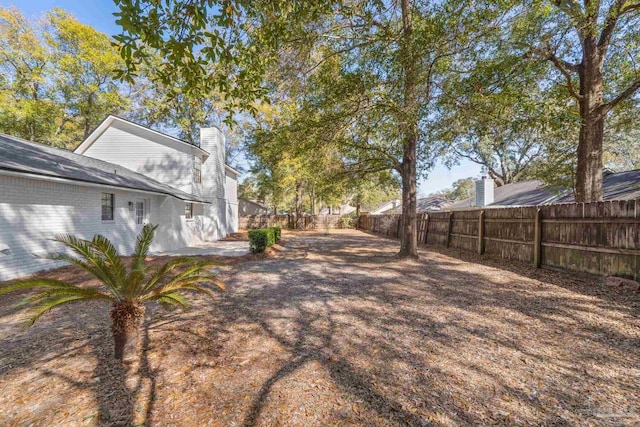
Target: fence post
column 481, row 233
column 449, row 228
column 426, row 229
column 398, row 227
column 537, row 238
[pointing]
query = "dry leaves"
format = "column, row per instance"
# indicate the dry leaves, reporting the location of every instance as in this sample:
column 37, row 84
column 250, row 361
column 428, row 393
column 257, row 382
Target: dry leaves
column 335, row 331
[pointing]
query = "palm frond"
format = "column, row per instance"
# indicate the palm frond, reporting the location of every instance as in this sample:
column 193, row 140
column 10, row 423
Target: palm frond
column 173, row 299
column 195, row 268
column 33, row 283
column 86, row 250
column 108, row 252
column 143, row 243
column 85, row 293
column 138, row 271
column 49, row 304
column 163, row 272
column 192, row 284
column 99, row 271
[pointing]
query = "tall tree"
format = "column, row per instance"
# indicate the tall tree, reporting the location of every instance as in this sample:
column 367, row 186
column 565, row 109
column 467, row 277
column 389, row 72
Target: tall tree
column 396, row 51
column 594, row 47
column 58, row 78
column 501, row 115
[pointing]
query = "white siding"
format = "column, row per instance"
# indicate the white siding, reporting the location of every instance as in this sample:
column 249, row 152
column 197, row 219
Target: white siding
column 169, row 162
column 247, row 207
column 34, row 211
column 231, row 196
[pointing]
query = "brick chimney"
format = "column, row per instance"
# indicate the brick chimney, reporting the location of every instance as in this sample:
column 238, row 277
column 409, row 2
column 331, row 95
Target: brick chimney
column 213, row 179
column 213, row 173
column 484, row 191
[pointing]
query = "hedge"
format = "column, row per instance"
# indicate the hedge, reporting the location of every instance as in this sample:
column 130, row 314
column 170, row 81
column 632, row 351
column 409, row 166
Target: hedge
column 261, row 239
column 277, row 232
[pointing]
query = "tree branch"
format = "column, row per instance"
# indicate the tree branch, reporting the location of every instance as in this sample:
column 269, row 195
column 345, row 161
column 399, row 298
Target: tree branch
column 561, row 66
column 621, row 97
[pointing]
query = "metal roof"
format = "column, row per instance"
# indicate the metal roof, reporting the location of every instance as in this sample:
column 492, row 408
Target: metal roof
column 25, row 157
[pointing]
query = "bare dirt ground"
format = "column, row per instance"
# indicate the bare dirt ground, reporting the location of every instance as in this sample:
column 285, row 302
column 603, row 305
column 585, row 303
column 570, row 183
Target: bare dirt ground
column 335, row 331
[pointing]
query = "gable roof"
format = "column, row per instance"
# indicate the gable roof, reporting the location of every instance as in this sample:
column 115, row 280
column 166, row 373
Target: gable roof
column 616, row 186
column 525, row 193
column 30, row 158
column 106, row 123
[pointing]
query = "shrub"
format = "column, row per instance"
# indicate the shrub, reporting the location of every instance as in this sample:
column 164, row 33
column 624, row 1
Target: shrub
column 262, row 238
column 277, row 233
column 258, row 240
column 348, row 221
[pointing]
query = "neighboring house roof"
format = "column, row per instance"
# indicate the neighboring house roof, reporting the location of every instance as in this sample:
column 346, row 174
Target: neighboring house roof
column 426, row 204
column 525, row 193
column 252, row 202
column 25, row 157
column 380, row 208
column 616, row 186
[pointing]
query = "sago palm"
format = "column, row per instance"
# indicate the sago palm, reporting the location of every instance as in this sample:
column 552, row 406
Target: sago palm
column 126, row 287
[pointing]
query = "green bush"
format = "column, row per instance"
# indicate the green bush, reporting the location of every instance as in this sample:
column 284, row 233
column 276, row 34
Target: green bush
column 277, row 233
column 262, row 238
column 348, row 221
column 258, row 240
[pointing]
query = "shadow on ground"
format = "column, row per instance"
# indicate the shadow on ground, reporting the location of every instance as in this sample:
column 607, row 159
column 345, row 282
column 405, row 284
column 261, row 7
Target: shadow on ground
column 346, row 335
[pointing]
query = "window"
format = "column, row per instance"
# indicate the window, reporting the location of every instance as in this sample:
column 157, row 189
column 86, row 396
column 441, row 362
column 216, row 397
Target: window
column 188, row 210
column 108, row 202
column 197, row 169
column 139, row 212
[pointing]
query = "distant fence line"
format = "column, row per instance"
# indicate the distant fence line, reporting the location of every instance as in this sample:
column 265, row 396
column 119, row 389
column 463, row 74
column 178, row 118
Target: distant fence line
column 600, row 238
column 309, row 222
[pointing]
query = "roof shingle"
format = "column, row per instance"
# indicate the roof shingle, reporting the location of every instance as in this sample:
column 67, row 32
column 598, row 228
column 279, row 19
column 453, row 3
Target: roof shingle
column 22, row 156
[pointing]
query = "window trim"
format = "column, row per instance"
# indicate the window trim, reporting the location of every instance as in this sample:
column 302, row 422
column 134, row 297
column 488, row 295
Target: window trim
column 197, row 169
column 111, row 199
column 188, row 211
column 139, row 214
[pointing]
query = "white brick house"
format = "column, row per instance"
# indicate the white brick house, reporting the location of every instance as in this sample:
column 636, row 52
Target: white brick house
column 120, row 178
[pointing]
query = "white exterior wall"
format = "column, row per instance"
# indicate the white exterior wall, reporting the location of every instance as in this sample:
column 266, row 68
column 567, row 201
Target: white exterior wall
column 247, row 207
column 169, row 162
column 33, row 211
column 231, row 196
column 213, row 183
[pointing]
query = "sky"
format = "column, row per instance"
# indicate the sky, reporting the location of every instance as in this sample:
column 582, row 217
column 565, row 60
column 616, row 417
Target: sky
column 99, row 14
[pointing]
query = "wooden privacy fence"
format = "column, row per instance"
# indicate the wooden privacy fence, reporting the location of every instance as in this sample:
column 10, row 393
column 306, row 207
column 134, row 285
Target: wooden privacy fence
column 309, row 222
column 600, row 238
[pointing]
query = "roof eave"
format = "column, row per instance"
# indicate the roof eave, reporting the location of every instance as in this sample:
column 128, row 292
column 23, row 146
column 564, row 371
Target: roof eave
column 54, row 178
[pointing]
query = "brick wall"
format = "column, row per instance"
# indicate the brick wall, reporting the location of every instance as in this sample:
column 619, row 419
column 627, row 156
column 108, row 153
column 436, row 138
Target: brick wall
column 34, row 211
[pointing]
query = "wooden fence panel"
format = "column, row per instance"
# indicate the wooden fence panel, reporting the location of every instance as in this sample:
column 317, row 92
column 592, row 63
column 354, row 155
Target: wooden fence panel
column 601, row 238
column 437, row 231
column 464, row 230
column 309, row 222
column 509, row 233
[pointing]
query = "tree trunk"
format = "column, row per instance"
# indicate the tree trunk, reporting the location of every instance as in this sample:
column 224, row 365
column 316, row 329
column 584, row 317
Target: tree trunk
column 589, row 168
column 409, row 236
column 299, row 219
column 126, row 318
